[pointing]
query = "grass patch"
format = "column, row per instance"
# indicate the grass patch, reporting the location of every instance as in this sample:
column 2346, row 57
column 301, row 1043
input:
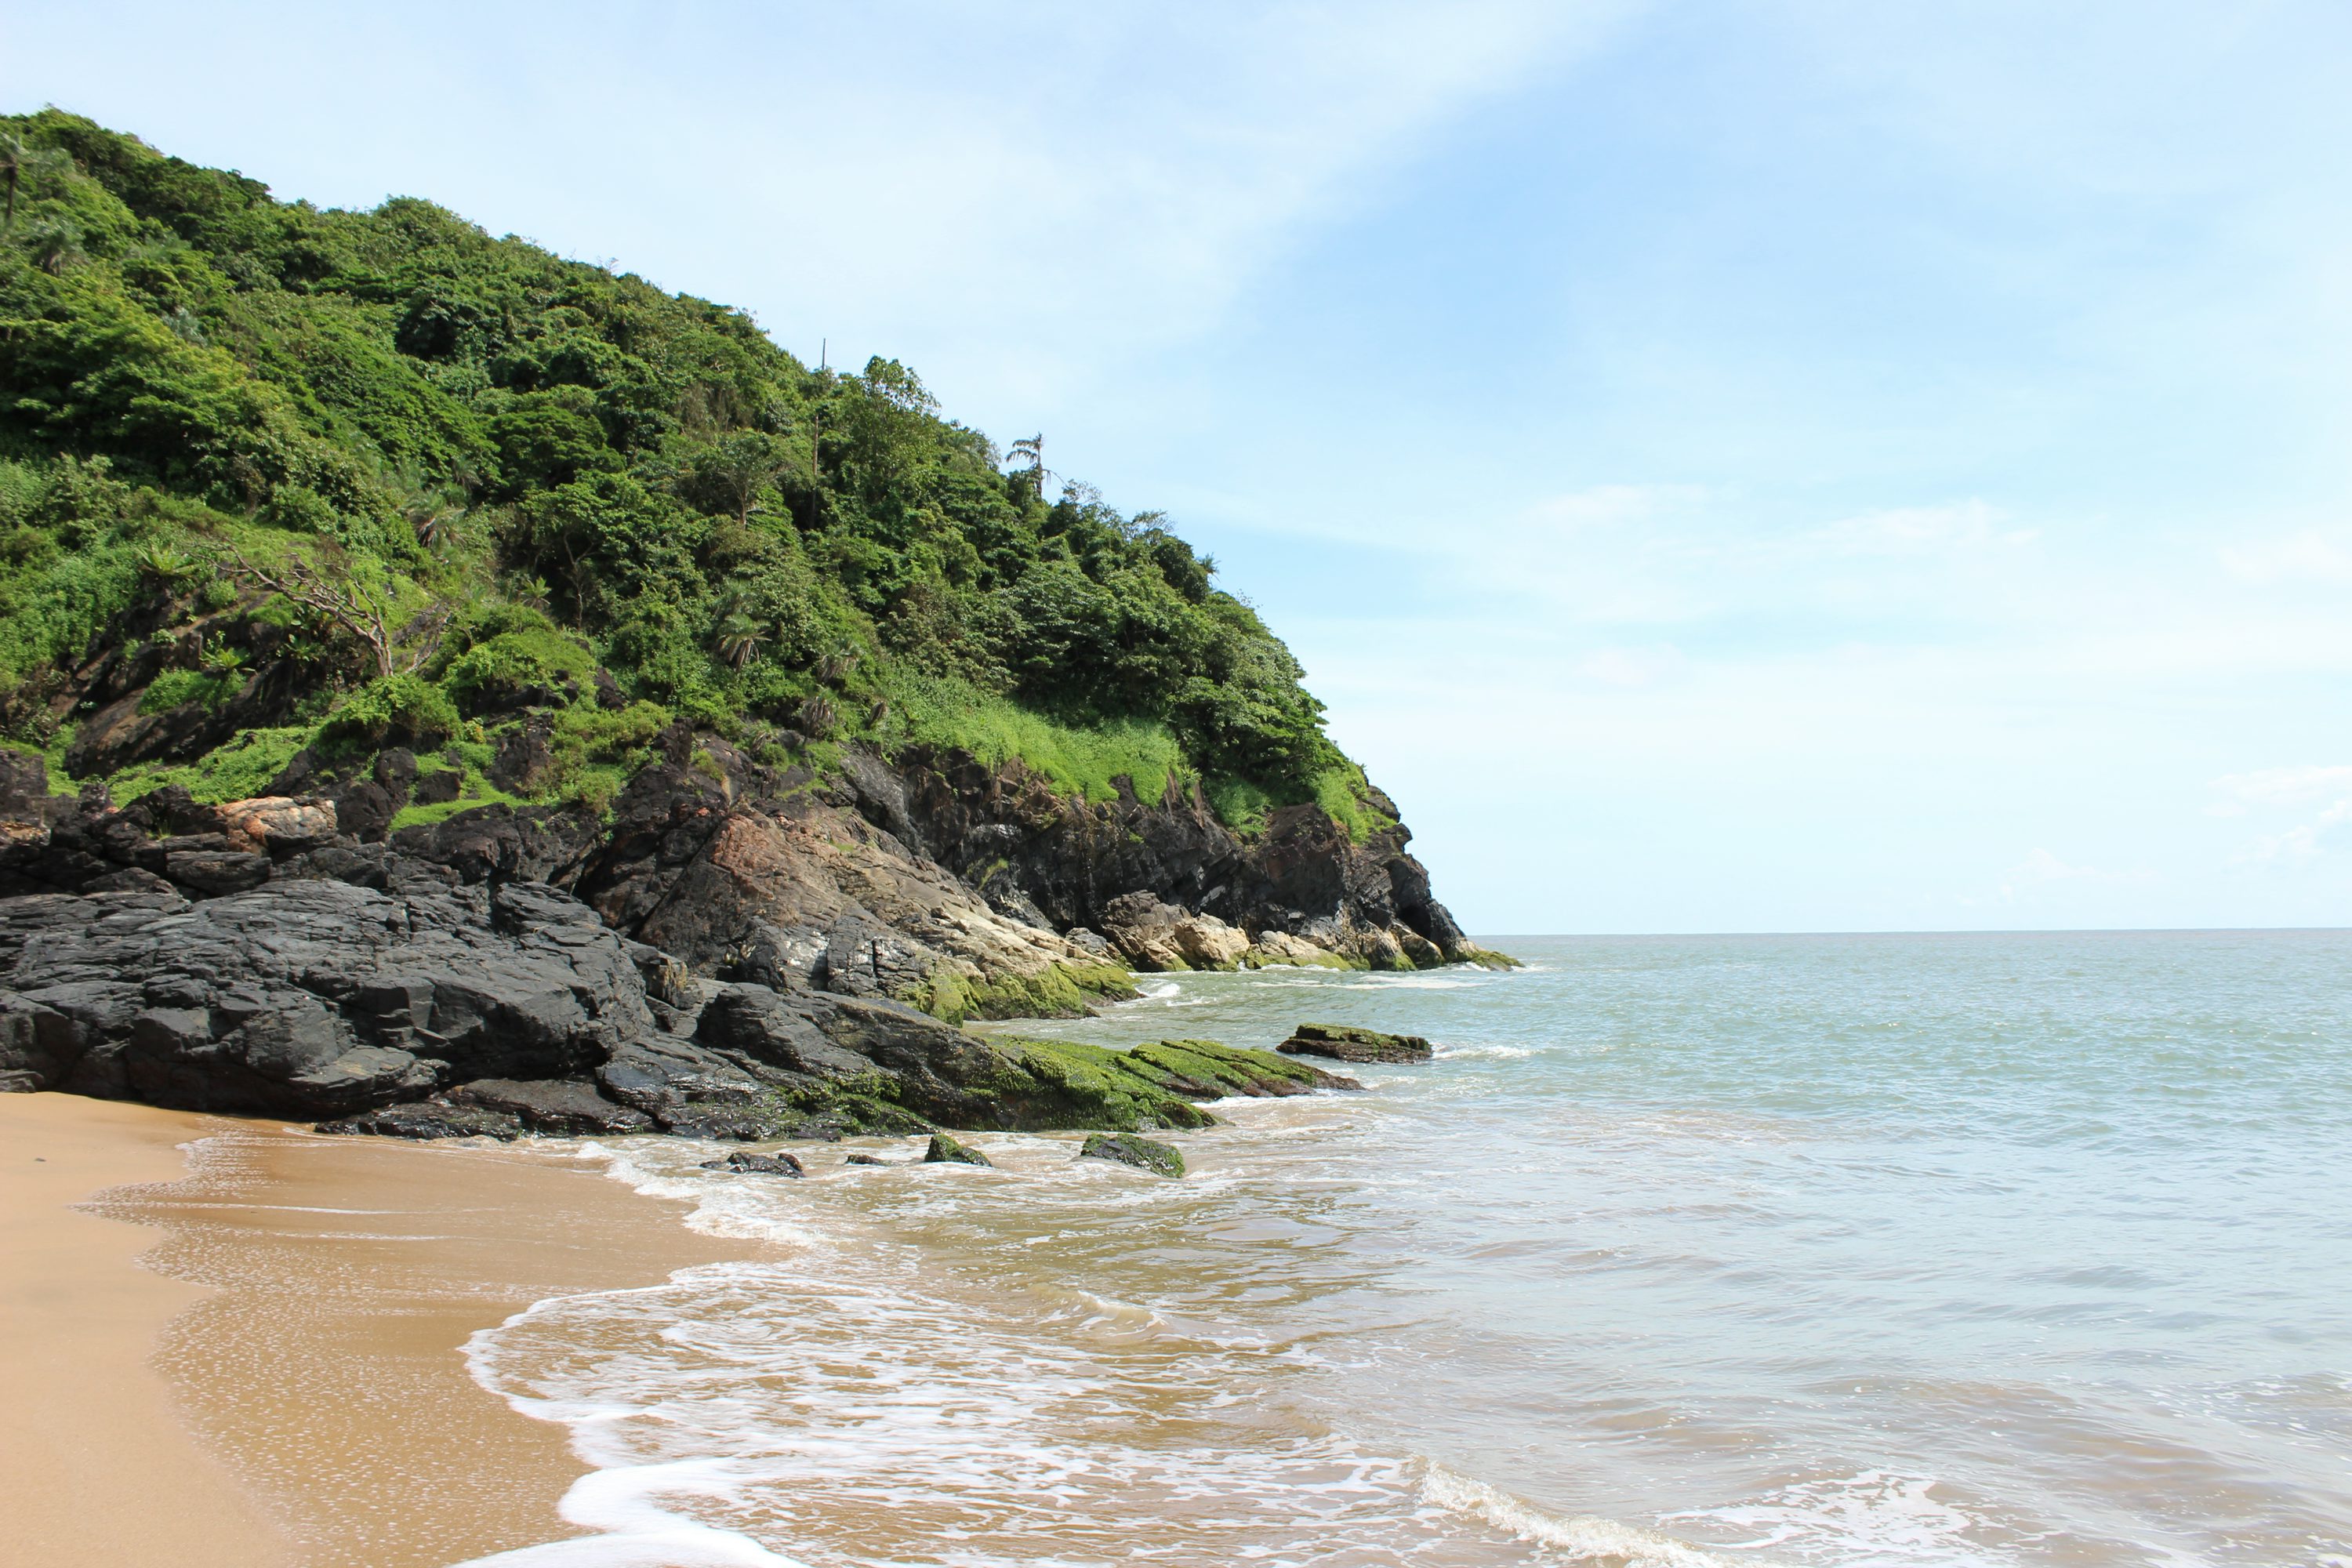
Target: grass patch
column 207, row 688
column 947, row 714
column 238, row 770
column 476, row 791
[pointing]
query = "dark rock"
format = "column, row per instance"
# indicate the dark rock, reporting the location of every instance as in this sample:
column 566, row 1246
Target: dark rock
column 429, row 1119
column 129, row 879
column 945, row 1150
column 500, row 843
column 776, row 1164
column 23, row 786
column 363, row 866
column 1343, row 1042
column 436, row 788
column 1143, row 1153
column 364, row 809
column 863, row 1160
column 554, row 1106
column 216, row 871
column 308, row 998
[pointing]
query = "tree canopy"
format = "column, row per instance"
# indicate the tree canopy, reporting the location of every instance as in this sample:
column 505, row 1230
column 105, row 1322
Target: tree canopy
column 492, row 445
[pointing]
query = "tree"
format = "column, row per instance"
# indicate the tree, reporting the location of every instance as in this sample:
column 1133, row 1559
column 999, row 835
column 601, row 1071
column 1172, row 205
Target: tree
column 339, row 598
column 1029, row 454
column 733, row 470
column 739, row 640
column 12, row 170
column 434, row 522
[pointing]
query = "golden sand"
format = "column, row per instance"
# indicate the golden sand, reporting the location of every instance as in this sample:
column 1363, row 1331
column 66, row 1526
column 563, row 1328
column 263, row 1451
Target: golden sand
column 277, row 1379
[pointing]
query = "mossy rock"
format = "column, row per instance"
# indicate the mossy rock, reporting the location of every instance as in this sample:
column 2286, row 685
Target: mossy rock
column 946, row 1151
column 1346, row 1043
column 1143, row 1153
column 1059, row 991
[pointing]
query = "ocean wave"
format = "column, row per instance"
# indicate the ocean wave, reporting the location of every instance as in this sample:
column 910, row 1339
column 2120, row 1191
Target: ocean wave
column 1581, row 1538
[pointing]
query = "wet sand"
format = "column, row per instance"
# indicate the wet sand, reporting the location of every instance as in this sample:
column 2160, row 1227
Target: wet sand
column 278, row 1379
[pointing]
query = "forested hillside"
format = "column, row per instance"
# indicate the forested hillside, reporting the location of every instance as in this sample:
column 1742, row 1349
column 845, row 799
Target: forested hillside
column 302, row 477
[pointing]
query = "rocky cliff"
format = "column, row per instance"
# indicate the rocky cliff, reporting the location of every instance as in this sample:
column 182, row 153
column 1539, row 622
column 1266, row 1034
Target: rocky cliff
column 735, row 951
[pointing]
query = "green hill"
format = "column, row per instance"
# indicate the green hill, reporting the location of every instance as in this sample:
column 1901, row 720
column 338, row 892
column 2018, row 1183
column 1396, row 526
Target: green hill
column 297, row 477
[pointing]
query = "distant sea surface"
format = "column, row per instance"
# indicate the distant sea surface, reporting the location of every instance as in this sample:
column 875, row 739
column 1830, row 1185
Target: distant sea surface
column 1808, row 1250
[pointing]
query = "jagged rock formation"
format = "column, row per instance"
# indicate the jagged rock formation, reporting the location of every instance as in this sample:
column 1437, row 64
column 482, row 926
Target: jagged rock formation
column 738, row 953
column 966, row 891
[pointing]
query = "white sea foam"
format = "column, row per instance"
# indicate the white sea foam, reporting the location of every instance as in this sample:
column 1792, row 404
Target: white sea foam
column 1886, row 1517
column 1584, row 1538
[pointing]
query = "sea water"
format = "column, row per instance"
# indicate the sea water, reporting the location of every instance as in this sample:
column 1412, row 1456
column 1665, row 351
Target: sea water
column 1808, row 1250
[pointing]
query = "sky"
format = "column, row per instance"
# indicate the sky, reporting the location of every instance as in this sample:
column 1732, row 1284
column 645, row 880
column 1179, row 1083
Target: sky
column 1785, row 466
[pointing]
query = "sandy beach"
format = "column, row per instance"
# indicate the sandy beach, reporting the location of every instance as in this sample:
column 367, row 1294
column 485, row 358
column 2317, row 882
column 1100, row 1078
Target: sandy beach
column 252, row 1356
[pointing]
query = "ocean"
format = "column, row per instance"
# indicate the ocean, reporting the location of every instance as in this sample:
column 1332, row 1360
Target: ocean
column 1935, row 1250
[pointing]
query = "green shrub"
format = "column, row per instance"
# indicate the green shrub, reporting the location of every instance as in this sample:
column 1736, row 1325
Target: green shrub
column 400, row 710
column 239, row 769
column 539, row 662
column 179, row 687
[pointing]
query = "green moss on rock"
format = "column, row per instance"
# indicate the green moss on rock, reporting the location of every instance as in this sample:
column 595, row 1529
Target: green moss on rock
column 1059, row 991
column 1128, row 1149
column 946, row 1151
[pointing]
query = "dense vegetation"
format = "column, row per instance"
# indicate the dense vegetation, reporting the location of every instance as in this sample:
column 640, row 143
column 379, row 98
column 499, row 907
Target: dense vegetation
column 456, row 483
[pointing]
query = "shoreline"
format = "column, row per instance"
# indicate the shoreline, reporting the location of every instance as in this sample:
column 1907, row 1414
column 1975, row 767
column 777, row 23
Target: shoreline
column 253, row 1353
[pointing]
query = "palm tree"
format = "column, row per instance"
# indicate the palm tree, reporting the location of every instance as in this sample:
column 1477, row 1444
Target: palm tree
column 434, row 522
column 12, row 170
column 1030, row 451
column 739, row 640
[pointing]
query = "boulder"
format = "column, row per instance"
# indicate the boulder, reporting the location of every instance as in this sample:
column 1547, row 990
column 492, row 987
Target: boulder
column 1128, row 1149
column 271, row 825
column 863, row 1159
column 742, row 1160
column 1343, row 1042
column 946, row 1151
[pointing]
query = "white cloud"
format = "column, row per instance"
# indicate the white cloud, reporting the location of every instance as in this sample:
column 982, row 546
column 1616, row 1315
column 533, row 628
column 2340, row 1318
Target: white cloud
column 2281, row 789
column 1923, row 530
column 2311, row 555
column 2041, row 869
column 2285, row 786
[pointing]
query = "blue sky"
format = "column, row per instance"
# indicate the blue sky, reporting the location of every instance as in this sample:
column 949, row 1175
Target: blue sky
column 1764, row 467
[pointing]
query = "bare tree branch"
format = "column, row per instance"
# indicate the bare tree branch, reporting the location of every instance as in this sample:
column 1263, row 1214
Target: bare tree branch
column 352, row 605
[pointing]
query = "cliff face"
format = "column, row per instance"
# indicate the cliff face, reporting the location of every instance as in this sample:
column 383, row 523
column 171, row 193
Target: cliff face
column 930, row 878
column 739, row 961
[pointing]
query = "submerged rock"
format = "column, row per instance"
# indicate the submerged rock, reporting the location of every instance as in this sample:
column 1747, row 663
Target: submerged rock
column 864, row 1160
column 1128, row 1149
column 945, row 1150
column 776, row 1164
column 1343, row 1042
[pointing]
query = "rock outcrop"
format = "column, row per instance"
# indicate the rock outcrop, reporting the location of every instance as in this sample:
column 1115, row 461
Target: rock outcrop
column 739, row 953
column 1343, row 1042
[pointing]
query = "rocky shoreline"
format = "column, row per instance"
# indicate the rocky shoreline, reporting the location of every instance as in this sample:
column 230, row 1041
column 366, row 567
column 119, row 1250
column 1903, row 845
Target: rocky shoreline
column 734, row 953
